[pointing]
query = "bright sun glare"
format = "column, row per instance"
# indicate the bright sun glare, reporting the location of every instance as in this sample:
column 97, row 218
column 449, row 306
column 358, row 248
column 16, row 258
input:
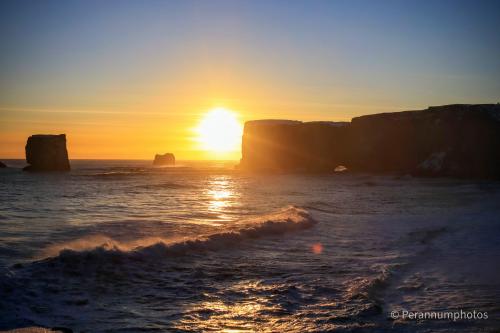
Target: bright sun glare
column 220, row 131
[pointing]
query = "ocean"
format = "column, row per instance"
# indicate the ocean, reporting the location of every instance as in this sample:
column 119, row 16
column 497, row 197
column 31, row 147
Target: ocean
column 121, row 246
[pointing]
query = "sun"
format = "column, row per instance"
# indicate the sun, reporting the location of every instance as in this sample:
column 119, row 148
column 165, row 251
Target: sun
column 219, row 131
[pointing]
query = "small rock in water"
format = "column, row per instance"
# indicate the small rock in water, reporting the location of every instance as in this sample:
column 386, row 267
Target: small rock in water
column 165, row 159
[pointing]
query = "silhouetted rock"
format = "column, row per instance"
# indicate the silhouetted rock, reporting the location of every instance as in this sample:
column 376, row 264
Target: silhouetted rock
column 286, row 145
column 165, row 159
column 2, row 165
column 47, row 153
column 452, row 141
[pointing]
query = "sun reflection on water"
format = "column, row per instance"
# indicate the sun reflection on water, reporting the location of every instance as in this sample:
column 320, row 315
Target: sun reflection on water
column 221, row 196
column 229, row 316
column 252, row 310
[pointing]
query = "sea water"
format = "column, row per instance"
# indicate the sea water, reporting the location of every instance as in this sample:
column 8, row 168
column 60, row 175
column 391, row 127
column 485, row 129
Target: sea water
column 121, row 246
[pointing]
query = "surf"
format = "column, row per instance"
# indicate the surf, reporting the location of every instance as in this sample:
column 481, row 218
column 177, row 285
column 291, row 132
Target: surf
column 98, row 247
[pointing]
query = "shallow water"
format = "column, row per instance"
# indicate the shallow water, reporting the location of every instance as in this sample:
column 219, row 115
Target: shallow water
column 119, row 246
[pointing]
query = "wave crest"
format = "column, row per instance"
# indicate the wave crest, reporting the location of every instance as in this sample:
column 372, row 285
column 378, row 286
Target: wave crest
column 288, row 220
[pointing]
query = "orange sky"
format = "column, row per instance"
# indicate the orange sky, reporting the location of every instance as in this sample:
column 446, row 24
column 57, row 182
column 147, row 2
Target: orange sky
column 157, row 125
column 132, row 80
column 133, row 134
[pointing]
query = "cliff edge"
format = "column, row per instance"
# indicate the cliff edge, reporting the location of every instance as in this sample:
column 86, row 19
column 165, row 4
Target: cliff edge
column 459, row 140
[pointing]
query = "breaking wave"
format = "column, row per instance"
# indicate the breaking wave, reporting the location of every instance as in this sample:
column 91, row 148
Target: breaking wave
column 288, row 220
column 370, row 288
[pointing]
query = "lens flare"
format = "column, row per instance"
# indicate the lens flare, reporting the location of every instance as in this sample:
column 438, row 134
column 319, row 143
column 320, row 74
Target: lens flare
column 317, row 248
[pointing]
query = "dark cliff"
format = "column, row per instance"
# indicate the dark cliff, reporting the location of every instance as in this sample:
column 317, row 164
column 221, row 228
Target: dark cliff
column 451, row 140
column 293, row 146
column 47, row 153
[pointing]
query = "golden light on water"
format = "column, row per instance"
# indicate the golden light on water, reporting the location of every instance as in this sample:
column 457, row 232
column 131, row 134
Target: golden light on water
column 221, row 196
column 235, row 317
column 219, row 131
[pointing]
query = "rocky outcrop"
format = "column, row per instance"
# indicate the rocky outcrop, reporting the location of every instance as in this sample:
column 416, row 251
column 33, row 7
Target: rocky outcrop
column 285, row 145
column 165, row 159
column 47, row 153
column 2, row 165
column 451, row 141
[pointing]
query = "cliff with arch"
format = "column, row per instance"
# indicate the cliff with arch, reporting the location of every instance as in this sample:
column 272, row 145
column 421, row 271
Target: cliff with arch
column 459, row 140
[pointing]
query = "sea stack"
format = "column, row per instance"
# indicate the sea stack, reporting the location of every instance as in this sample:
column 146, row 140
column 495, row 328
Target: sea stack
column 165, row 159
column 2, row 165
column 45, row 152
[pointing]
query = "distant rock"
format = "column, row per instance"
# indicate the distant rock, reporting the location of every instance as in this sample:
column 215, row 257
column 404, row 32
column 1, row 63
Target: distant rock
column 165, row 159
column 459, row 140
column 46, row 152
column 2, row 165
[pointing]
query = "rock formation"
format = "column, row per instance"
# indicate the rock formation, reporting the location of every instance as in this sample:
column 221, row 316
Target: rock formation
column 47, row 153
column 458, row 140
column 165, row 159
column 2, row 165
column 282, row 145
